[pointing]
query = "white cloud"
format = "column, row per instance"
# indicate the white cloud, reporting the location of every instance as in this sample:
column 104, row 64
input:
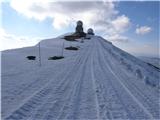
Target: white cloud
column 117, row 38
column 121, row 23
column 10, row 41
column 101, row 16
column 72, row 11
column 143, row 30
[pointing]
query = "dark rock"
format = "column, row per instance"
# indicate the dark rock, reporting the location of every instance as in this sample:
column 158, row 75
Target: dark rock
column 71, row 48
column 55, row 58
column 31, row 57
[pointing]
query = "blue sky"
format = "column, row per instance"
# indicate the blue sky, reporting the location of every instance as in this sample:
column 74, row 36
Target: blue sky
column 131, row 26
column 17, row 24
column 142, row 13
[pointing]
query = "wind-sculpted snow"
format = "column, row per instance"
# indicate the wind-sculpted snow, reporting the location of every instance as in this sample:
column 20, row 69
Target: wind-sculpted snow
column 99, row 81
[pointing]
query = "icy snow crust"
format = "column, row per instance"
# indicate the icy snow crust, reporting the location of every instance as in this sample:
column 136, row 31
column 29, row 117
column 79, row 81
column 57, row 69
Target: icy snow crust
column 99, row 81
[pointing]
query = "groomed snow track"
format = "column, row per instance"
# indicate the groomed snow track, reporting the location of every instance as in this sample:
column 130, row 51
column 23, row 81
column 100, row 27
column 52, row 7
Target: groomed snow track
column 91, row 86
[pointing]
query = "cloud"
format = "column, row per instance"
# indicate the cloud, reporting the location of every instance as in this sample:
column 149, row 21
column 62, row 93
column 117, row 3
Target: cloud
column 102, row 16
column 121, row 23
column 117, row 38
column 143, row 30
column 10, row 41
column 63, row 12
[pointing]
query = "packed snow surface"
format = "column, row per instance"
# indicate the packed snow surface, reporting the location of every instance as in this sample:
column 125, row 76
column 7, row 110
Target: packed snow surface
column 99, row 81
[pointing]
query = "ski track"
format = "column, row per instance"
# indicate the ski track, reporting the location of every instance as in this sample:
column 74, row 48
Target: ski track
column 147, row 103
column 92, row 86
column 128, row 90
column 75, row 90
column 78, row 96
column 110, row 103
column 130, row 76
column 48, row 113
column 94, row 82
column 41, row 94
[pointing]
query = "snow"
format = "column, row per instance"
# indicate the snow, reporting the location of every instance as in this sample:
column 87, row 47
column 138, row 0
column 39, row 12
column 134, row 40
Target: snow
column 99, row 81
column 152, row 60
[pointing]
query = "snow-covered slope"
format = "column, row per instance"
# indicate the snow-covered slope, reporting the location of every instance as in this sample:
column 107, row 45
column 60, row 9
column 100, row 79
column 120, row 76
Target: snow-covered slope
column 99, row 81
column 151, row 60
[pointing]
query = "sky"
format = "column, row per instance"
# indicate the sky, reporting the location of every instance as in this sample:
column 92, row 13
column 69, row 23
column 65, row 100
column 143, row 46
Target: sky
column 130, row 25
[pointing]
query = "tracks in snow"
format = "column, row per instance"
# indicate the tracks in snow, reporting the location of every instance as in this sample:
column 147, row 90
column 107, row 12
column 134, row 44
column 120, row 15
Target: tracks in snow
column 149, row 104
column 45, row 93
column 110, row 104
column 86, row 89
column 136, row 104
